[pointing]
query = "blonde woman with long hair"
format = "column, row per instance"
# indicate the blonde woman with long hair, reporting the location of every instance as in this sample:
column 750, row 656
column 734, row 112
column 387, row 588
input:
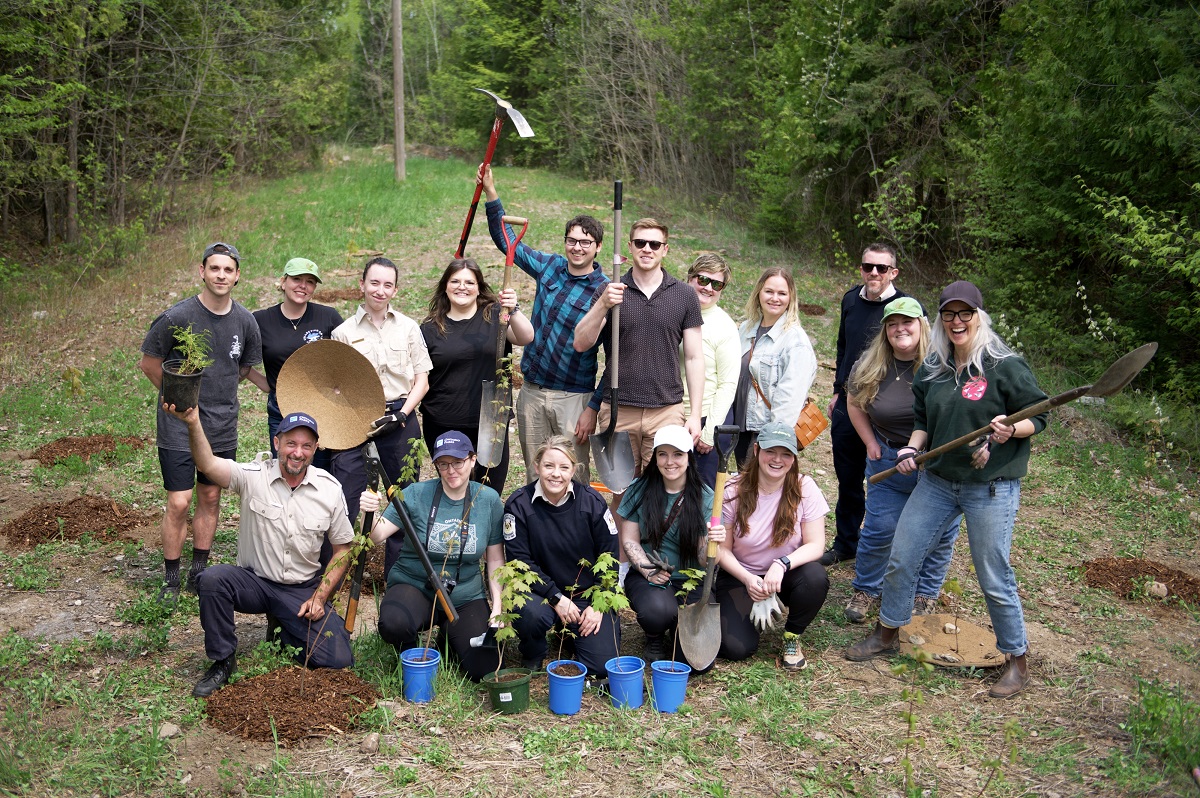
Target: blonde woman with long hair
column 880, row 408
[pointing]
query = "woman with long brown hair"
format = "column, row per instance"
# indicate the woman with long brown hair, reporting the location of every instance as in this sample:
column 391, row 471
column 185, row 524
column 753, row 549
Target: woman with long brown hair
column 774, row 518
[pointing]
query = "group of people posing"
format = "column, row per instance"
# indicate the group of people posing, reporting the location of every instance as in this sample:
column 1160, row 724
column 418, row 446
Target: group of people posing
column 902, row 385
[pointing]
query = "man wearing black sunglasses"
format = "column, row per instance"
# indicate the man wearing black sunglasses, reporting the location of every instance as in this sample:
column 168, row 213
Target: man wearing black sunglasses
column 862, row 312
column 559, row 378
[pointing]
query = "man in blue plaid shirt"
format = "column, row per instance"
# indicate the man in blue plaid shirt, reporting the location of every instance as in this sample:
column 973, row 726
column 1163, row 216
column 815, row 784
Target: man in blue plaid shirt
column 558, row 380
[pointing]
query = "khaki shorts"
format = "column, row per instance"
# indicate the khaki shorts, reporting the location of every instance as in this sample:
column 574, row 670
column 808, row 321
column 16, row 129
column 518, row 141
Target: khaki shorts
column 542, row 412
column 641, row 423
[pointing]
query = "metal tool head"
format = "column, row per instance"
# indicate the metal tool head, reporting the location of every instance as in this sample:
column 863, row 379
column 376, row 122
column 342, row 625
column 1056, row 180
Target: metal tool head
column 504, row 108
column 1122, row 372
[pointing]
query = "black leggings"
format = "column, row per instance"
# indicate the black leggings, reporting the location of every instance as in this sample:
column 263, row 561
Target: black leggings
column 802, row 593
column 405, row 612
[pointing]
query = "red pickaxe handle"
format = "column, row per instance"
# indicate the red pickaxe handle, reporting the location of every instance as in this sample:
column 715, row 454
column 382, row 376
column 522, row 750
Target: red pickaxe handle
column 487, row 161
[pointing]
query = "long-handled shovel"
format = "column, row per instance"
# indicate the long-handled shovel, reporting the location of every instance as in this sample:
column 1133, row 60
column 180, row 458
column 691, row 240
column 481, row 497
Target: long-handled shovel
column 1116, row 377
column 613, row 450
column 374, row 469
column 497, row 392
column 503, row 109
column 699, row 626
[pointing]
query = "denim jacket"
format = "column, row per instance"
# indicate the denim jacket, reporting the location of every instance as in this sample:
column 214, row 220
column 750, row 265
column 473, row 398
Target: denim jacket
column 785, row 366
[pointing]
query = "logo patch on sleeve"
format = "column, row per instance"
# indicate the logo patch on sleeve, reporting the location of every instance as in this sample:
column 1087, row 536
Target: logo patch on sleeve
column 510, row 526
column 612, row 524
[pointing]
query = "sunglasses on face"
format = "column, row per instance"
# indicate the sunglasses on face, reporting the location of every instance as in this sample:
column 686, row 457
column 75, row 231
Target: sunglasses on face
column 878, row 268
column 965, row 315
column 717, row 285
column 642, row 243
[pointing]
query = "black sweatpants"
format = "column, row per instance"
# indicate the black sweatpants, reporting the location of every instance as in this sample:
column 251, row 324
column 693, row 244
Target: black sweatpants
column 802, row 594
column 405, row 612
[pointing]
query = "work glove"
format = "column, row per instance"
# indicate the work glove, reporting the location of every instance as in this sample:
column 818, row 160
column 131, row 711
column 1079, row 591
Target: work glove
column 764, row 613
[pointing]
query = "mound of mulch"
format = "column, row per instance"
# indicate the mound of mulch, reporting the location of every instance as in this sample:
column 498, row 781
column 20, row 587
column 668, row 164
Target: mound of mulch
column 1125, row 577
column 85, row 447
column 339, row 294
column 811, row 310
column 106, row 520
column 291, row 704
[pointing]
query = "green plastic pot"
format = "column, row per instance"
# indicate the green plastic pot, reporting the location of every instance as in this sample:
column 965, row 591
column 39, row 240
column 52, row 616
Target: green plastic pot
column 509, row 695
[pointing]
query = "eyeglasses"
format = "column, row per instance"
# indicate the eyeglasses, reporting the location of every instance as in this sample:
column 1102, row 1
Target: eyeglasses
column 965, row 315
column 445, row 466
column 878, row 268
column 582, row 243
column 717, row 285
column 642, row 243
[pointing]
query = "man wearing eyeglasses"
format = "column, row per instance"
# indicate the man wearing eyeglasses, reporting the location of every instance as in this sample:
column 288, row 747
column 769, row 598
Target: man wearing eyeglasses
column 862, row 312
column 658, row 313
column 559, row 377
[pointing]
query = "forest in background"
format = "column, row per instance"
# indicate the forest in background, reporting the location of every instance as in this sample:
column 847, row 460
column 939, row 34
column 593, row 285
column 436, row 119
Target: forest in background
column 1048, row 150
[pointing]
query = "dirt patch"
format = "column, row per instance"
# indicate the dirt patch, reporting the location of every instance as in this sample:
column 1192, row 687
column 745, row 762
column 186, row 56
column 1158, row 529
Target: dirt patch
column 85, row 447
column 291, row 704
column 331, row 295
column 105, row 519
column 811, row 310
column 1125, row 577
column 972, row 646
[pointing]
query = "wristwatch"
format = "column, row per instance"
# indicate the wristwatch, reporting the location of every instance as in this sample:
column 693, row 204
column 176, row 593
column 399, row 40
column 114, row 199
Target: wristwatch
column 785, row 562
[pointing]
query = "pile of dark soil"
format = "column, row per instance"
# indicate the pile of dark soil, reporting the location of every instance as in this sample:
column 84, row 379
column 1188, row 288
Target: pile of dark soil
column 330, row 295
column 1125, row 575
column 291, row 703
column 105, row 519
column 811, row 310
column 85, row 447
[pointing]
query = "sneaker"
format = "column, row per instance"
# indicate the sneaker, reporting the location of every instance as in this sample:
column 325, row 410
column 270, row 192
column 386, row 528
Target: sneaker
column 793, row 657
column 168, row 595
column 924, row 605
column 860, row 606
column 192, row 575
column 215, row 678
column 654, row 649
column 833, row 557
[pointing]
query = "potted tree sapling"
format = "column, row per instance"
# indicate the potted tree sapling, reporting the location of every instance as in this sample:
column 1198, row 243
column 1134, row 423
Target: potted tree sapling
column 181, row 375
column 567, row 676
column 508, row 688
column 625, row 674
column 669, row 677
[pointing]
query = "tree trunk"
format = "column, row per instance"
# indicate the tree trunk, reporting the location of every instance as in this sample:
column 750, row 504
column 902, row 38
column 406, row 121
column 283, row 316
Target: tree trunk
column 398, row 85
column 72, row 219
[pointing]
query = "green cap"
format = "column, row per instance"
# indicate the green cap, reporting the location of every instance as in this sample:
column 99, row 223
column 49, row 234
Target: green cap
column 904, row 306
column 298, row 266
column 776, row 433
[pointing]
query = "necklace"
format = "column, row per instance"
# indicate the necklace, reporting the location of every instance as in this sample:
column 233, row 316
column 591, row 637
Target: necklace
column 900, row 372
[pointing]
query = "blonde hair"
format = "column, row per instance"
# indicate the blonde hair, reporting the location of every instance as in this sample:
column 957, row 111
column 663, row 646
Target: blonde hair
column 870, row 370
column 710, row 262
column 983, row 346
column 754, row 313
column 560, row 442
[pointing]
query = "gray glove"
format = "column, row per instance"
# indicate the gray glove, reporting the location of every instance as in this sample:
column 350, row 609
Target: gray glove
column 764, row 613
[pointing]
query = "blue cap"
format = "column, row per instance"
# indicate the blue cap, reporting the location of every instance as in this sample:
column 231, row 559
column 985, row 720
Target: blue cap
column 293, row 420
column 453, row 444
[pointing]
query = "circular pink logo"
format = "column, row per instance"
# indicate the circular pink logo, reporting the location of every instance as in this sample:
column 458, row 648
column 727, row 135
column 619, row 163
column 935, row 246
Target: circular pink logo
column 975, row 388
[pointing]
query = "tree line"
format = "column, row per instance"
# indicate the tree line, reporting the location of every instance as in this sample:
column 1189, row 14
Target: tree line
column 1049, row 150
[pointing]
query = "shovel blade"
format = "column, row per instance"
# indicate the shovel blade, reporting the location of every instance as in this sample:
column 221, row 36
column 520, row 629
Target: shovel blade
column 613, row 453
column 1122, row 372
column 699, row 631
column 493, row 423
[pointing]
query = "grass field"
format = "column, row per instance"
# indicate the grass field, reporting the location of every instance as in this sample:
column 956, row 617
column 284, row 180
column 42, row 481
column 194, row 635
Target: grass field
column 93, row 671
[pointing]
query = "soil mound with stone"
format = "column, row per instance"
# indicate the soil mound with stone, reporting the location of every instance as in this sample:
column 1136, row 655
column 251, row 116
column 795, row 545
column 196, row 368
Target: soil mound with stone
column 105, row 519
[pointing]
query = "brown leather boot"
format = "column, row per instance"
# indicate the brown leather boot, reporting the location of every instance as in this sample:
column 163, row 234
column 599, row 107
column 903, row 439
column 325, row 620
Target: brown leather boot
column 1014, row 680
column 882, row 640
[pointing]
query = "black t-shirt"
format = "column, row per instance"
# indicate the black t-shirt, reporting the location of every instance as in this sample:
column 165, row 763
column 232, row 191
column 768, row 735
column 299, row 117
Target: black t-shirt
column 462, row 358
column 281, row 336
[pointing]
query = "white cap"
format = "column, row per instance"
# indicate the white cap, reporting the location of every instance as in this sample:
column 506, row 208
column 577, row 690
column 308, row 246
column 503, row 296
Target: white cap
column 673, row 435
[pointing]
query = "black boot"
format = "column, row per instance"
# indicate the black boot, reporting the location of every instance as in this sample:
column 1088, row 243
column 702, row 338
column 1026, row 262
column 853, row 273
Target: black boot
column 654, row 648
column 882, row 640
column 215, row 678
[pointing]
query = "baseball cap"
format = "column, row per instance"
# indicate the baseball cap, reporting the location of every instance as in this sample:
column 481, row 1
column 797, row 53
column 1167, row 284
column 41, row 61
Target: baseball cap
column 962, row 291
column 904, row 306
column 453, row 444
column 776, row 433
column 293, row 420
column 299, row 266
column 221, row 248
column 673, row 435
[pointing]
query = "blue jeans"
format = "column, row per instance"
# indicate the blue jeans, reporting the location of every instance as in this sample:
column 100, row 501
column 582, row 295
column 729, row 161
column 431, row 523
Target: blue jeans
column 885, row 502
column 990, row 508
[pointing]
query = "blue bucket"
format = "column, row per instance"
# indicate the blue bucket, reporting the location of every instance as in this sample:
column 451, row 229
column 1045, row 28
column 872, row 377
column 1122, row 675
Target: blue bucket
column 420, row 667
column 566, row 692
column 625, row 681
column 669, row 682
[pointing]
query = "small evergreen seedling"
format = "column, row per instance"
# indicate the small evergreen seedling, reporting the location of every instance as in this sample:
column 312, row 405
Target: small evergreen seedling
column 194, row 347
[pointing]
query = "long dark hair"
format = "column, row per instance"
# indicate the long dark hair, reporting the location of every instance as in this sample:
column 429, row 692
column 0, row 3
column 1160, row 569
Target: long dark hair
column 439, row 304
column 691, row 522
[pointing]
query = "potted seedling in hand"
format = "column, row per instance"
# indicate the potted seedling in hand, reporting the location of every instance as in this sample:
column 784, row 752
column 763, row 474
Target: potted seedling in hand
column 181, row 375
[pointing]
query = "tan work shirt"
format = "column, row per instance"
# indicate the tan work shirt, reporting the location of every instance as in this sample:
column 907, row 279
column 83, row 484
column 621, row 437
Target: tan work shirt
column 281, row 529
column 397, row 350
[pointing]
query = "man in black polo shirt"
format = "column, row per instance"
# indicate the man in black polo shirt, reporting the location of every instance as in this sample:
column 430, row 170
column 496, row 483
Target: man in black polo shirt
column 658, row 312
column 862, row 311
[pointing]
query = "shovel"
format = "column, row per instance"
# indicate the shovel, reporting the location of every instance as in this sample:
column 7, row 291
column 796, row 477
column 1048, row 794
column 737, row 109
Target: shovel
column 1116, row 377
column 497, row 393
column 699, row 628
column 613, row 450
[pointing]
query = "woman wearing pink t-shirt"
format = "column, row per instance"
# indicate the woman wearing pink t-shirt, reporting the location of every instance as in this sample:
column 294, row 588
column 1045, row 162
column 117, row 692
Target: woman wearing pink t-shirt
column 776, row 520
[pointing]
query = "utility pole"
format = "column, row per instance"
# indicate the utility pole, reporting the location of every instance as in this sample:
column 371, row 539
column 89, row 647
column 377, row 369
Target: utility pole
column 398, row 86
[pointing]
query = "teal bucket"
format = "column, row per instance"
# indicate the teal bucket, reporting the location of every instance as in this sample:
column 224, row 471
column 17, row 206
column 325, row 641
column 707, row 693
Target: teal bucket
column 625, row 681
column 419, row 667
column 566, row 692
column 669, row 681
